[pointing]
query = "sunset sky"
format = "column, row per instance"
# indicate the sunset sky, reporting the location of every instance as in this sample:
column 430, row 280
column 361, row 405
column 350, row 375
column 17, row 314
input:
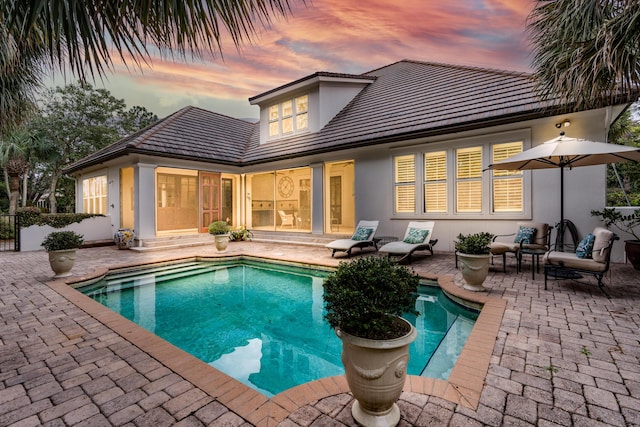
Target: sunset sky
column 344, row 36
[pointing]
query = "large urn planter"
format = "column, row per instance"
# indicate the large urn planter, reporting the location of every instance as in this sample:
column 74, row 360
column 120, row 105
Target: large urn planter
column 474, row 255
column 61, row 246
column 62, row 261
column 474, row 269
column 221, row 242
column 364, row 300
column 220, row 231
column 632, row 249
column 376, row 371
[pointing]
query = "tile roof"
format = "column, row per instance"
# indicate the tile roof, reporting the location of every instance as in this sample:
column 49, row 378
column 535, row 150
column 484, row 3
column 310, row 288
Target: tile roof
column 407, row 99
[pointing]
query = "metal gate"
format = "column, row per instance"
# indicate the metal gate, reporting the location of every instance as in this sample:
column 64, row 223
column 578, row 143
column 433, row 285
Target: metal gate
column 9, row 233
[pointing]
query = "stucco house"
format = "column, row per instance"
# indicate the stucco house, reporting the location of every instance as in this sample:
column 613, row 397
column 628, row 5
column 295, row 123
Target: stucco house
column 408, row 141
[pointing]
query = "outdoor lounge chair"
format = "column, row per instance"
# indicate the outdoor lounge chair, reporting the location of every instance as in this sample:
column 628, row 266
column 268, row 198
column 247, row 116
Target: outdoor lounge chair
column 362, row 238
column 530, row 237
column 418, row 237
column 565, row 265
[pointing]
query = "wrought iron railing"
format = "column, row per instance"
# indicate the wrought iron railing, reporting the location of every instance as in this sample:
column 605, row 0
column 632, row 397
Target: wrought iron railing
column 9, row 233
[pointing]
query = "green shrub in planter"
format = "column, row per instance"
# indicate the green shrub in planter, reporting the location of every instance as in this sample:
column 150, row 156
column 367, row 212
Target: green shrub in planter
column 363, row 297
column 218, row 227
column 474, row 244
column 61, row 240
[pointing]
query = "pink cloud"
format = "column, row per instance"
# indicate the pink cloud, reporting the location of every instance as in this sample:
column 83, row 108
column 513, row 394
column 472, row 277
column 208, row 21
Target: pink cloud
column 352, row 37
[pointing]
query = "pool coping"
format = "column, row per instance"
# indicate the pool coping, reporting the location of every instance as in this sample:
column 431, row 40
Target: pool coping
column 464, row 385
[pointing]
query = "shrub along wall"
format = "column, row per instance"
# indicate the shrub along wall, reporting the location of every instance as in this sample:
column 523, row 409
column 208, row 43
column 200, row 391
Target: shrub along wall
column 36, row 226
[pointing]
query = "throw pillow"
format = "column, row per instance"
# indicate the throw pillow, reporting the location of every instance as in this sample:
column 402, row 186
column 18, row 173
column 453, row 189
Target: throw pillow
column 585, row 247
column 362, row 233
column 525, row 235
column 416, row 236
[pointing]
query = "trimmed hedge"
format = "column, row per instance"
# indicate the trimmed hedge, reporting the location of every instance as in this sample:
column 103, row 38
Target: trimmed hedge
column 32, row 216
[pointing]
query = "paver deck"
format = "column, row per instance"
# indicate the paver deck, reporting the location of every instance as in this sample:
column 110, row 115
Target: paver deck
column 566, row 356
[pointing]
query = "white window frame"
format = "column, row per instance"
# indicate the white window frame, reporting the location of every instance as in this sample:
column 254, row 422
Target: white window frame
column 450, row 146
column 276, row 121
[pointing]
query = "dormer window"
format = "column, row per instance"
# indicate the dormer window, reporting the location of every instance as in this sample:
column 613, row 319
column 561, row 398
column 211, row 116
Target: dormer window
column 289, row 117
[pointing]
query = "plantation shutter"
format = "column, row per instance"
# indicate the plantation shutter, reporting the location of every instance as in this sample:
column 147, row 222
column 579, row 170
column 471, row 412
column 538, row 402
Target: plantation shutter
column 508, row 185
column 405, row 179
column 469, row 179
column 435, row 186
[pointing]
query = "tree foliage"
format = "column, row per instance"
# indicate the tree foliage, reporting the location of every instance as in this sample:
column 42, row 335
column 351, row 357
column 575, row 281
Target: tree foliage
column 73, row 121
column 586, row 51
column 623, row 179
column 40, row 36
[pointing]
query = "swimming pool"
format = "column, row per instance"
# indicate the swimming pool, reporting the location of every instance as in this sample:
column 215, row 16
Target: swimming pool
column 262, row 323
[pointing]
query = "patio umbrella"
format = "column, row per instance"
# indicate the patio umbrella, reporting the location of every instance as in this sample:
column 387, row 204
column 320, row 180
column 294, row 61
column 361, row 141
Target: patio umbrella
column 564, row 152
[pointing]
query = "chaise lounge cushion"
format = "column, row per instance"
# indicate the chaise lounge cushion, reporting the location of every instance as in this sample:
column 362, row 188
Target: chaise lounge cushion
column 601, row 246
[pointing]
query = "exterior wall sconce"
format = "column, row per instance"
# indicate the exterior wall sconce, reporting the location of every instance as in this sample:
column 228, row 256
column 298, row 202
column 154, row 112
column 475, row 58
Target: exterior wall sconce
column 563, row 124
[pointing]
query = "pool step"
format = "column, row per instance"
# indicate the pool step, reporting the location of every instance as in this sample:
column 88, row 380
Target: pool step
column 155, row 275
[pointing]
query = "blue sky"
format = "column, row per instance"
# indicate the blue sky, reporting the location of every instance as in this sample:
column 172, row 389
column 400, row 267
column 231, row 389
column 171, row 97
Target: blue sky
column 336, row 36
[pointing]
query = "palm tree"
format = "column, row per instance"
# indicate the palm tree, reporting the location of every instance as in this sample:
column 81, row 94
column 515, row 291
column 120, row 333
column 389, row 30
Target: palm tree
column 14, row 163
column 586, row 51
column 40, row 34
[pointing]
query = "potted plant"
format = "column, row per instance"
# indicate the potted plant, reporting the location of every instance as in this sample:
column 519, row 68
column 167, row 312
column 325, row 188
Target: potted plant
column 61, row 246
column 364, row 300
column 473, row 252
column 240, row 233
column 626, row 224
column 220, row 231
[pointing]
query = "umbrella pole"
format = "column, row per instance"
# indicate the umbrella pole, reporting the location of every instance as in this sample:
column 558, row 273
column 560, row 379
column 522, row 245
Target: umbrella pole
column 561, row 229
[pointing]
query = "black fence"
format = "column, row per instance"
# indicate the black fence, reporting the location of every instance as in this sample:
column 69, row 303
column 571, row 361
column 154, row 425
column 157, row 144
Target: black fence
column 9, row 233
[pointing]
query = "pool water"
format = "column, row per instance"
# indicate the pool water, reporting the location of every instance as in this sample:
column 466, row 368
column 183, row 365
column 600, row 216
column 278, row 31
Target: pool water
column 262, row 323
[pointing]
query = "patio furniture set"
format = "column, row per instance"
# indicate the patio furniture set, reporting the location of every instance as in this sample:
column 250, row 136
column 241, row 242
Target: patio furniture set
column 592, row 254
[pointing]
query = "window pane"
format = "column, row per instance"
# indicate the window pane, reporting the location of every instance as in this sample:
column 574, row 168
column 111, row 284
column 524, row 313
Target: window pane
column 405, row 169
column 301, row 121
column 302, row 103
column 504, row 151
column 287, row 109
column 287, row 125
column 273, row 129
column 435, row 197
column 405, row 199
column 507, row 195
column 273, row 113
column 469, row 197
column 469, row 162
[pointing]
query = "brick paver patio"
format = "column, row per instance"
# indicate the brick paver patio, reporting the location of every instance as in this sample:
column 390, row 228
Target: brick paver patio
column 567, row 356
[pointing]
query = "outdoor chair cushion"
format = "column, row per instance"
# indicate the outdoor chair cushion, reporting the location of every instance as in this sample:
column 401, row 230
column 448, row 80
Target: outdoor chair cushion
column 362, row 233
column 525, row 235
column 585, row 247
column 416, row 235
column 571, row 260
column 601, row 247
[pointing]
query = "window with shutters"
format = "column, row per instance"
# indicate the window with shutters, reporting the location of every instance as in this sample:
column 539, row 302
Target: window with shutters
column 469, row 180
column 405, row 183
column 435, row 182
column 507, row 185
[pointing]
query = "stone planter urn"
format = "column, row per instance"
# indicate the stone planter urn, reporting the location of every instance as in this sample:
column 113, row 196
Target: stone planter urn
column 474, row 269
column 62, row 262
column 221, row 242
column 376, row 371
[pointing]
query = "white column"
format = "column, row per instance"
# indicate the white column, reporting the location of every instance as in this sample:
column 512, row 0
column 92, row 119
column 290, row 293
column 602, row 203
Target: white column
column 144, row 200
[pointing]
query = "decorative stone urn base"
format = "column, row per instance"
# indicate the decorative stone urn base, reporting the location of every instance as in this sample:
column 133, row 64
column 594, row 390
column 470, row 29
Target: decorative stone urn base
column 222, row 241
column 474, row 269
column 376, row 372
column 62, row 262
